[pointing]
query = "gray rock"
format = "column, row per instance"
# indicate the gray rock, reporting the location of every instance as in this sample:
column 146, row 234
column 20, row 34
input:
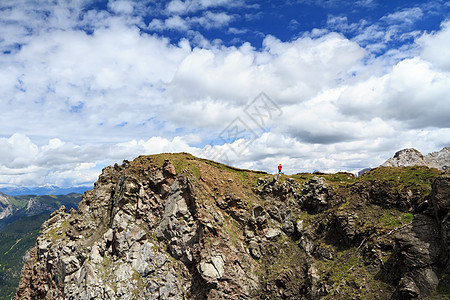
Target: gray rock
column 273, row 233
column 213, row 269
column 70, row 264
column 255, row 249
column 412, row 157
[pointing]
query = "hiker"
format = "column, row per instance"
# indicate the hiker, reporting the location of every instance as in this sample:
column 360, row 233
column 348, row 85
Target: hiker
column 279, row 168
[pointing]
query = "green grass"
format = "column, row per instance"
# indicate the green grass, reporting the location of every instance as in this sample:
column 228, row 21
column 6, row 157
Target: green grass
column 415, row 178
column 393, row 218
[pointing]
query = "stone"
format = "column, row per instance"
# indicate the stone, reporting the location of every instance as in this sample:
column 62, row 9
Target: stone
column 212, row 270
column 316, row 195
column 299, row 226
column 273, row 234
column 288, row 227
column 255, row 249
column 70, row 264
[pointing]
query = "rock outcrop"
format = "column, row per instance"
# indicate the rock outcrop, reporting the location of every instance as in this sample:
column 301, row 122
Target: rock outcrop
column 6, row 209
column 412, row 157
column 178, row 227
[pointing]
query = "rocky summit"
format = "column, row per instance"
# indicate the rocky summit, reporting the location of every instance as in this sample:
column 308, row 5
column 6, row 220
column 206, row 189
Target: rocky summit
column 173, row 226
column 412, row 157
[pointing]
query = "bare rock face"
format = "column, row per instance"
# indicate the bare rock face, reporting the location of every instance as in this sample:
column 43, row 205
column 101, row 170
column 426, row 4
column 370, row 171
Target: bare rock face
column 141, row 233
column 441, row 203
column 412, row 157
column 422, row 247
column 417, row 250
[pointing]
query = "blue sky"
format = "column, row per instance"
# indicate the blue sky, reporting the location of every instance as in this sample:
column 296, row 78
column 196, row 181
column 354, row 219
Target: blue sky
column 316, row 85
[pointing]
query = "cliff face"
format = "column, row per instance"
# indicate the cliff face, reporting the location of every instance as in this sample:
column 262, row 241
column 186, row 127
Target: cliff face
column 174, row 227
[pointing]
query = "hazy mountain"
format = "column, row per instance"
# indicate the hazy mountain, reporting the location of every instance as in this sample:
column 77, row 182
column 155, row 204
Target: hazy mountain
column 43, row 190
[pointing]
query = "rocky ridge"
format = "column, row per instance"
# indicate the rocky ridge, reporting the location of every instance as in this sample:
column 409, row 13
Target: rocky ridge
column 412, row 157
column 174, row 226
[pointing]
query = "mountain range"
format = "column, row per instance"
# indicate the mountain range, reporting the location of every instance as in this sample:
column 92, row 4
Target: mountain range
column 43, row 190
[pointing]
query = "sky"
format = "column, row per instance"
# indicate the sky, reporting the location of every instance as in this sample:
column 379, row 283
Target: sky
column 329, row 85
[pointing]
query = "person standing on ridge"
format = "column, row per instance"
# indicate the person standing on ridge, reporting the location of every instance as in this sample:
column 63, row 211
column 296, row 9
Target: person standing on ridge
column 279, row 168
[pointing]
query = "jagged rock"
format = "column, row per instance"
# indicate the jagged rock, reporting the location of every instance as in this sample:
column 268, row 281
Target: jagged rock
column 417, row 250
column 344, row 230
column 255, row 249
column 441, row 204
column 299, row 226
column 288, row 226
column 316, row 195
column 213, row 269
column 270, row 187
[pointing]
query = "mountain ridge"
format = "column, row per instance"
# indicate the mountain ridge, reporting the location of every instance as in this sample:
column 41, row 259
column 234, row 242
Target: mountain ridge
column 174, row 226
column 43, row 190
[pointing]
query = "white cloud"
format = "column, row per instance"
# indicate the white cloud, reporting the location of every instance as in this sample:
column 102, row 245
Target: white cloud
column 121, row 7
column 435, row 47
column 406, row 16
column 212, row 20
column 191, row 6
column 291, row 71
column 77, row 95
column 412, row 93
column 66, row 164
column 177, row 23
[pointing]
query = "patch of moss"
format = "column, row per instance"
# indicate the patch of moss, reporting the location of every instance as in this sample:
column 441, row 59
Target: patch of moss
column 139, row 284
column 58, row 233
column 393, row 218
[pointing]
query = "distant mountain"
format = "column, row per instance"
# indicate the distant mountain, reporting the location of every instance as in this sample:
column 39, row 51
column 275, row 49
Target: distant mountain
column 21, row 218
column 44, row 190
column 13, row 208
column 412, row 157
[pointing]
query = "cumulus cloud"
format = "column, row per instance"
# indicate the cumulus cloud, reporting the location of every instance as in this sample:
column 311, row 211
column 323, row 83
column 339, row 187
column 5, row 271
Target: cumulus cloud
column 413, row 93
column 67, row 164
column 435, row 47
column 81, row 89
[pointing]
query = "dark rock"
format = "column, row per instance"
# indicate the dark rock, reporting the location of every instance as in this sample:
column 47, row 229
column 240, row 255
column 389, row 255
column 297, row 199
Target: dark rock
column 316, row 195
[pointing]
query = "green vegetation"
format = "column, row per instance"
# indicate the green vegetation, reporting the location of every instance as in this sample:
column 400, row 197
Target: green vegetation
column 394, row 218
column 15, row 240
column 417, row 178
